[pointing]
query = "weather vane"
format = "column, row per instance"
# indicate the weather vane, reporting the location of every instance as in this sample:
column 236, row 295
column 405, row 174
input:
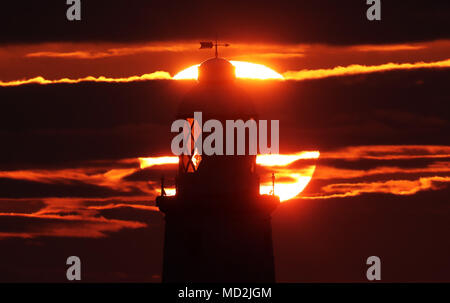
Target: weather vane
column 210, row 44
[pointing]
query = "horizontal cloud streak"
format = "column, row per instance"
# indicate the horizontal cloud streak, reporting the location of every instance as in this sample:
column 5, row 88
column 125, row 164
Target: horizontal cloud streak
column 61, row 226
column 121, row 205
column 356, row 69
column 306, row 74
column 387, row 169
column 112, row 52
column 387, row 48
column 158, row 75
column 389, row 152
column 396, row 187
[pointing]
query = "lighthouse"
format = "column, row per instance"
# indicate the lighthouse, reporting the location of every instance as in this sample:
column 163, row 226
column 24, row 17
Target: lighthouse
column 217, row 225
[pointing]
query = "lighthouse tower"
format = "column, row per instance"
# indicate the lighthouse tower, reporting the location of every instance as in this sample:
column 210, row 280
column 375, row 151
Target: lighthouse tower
column 218, row 226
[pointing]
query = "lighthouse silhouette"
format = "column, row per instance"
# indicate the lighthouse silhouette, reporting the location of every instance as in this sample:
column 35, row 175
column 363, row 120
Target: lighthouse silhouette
column 218, row 226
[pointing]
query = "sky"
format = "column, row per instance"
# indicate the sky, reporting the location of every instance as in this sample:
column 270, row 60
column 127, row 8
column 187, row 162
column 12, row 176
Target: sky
column 364, row 117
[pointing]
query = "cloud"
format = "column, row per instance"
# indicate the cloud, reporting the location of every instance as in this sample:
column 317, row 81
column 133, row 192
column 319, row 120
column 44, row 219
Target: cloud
column 395, row 187
column 158, row 75
column 382, row 170
column 147, row 214
column 387, row 48
column 388, row 152
column 20, row 186
column 356, row 69
column 112, row 52
column 26, row 206
column 397, row 170
column 283, row 21
column 76, row 217
column 32, row 225
column 123, row 205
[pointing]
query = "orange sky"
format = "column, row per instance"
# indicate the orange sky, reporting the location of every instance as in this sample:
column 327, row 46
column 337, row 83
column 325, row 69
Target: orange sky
column 106, row 62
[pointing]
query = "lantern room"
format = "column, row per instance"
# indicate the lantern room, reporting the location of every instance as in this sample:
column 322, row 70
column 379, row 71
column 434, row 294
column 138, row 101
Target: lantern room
column 216, row 96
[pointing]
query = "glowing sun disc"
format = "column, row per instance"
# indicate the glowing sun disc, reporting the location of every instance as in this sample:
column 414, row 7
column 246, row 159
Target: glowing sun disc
column 245, row 70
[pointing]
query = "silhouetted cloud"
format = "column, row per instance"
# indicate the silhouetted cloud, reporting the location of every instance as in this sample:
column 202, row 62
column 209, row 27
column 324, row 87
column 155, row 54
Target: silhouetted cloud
column 20, row 188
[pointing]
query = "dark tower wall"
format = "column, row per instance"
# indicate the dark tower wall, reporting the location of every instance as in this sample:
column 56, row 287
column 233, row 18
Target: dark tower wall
column 215, row 243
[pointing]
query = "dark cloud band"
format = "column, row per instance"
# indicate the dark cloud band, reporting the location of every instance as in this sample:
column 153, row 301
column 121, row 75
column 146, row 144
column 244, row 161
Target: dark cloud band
column 331, row 22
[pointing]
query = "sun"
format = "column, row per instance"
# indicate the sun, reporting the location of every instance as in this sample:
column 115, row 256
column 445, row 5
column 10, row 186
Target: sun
column 245, row 70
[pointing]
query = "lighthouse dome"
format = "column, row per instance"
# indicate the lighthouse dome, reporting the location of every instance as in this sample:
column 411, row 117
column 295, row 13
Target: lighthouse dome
column 217, row 95
column 216, row 70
